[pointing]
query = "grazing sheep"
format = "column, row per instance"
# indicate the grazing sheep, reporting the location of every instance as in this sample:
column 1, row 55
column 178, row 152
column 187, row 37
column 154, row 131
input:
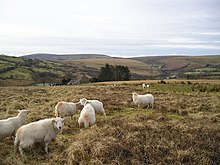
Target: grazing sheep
column 97, row 105
column 42, row 131
column 63, row 109
column 143, row 99
column 145, row 86
column 9, row 126
column 87, row 115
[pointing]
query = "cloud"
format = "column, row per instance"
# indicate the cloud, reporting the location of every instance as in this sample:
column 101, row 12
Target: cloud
column 123, row 28
column 211, row 33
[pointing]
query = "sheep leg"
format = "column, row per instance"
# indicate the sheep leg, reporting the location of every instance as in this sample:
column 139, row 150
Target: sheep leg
column 56, row 113
column 152, row 105
column 104, row 114
column 86, row 124
column 24, row 159
column 16, row 144
column 16, row 149
column 147, row 106
column 21, row 151
column 25, row 144
column 46, row 147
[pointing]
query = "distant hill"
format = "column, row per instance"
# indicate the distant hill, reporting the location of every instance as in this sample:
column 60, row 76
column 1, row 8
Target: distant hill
column 160, row 67
column 31, row 69
column 56, row 57
column 26, row 71
column 139, row 69
column 185, row 66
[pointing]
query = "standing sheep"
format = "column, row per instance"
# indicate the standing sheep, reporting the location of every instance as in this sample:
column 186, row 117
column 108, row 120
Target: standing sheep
column 97, row 105
column 63, row 109
column 87, row 115
column 9, row 126
column 144, row 100
column 42, row 131
column 145, row 86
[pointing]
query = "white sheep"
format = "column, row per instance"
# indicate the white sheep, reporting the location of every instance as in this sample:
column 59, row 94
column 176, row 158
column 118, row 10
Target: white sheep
column 97, row 105
column 9, row 126
column 42, row 131
column 145, row 86
column 63, row 109
column 143, row 100
column 87, row 115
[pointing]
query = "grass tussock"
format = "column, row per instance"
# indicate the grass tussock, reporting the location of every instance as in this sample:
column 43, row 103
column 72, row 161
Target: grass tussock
column 138, row 140
column 183, row 128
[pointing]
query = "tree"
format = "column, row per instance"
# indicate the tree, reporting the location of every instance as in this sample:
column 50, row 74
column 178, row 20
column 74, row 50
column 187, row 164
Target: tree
column 106, row 73
column 121, row 73
column 114, row 73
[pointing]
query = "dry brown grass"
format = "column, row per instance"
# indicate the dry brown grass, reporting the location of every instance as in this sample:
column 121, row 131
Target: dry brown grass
column 184, row 128
column 136, row 67
column 174, row 63
column 170, row 81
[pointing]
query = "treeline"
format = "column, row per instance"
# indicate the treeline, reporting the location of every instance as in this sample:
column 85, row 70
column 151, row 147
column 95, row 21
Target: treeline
column 113, row 73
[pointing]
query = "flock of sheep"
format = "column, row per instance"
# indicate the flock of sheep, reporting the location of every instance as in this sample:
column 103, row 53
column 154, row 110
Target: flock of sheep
column 43, row 131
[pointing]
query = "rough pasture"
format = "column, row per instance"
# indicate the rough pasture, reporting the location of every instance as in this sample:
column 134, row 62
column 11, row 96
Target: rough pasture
column 183, row 128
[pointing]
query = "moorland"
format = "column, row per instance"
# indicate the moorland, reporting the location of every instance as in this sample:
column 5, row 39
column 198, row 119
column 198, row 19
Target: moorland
column 48, row 68
column 183, row 127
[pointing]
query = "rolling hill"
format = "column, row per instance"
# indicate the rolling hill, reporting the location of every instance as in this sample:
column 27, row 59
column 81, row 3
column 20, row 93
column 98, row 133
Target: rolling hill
column 26, row 71
column 56, row 57
column 185, row 66
column 50, row 68
column 160, row 67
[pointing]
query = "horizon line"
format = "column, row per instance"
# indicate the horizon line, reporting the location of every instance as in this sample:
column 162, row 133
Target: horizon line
column 117, row 56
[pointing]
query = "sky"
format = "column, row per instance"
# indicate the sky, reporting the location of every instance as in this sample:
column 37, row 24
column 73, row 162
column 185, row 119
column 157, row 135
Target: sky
column 120, row 28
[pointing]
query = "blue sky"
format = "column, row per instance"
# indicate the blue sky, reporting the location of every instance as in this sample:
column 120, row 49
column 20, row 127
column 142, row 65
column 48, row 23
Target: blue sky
column 124, row 28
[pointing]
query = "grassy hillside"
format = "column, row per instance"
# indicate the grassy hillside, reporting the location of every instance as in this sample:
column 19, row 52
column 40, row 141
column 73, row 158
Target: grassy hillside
column 139, row 70
column 27, row 71
column 183, row 127
column 160, row 67
column 185, row 66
